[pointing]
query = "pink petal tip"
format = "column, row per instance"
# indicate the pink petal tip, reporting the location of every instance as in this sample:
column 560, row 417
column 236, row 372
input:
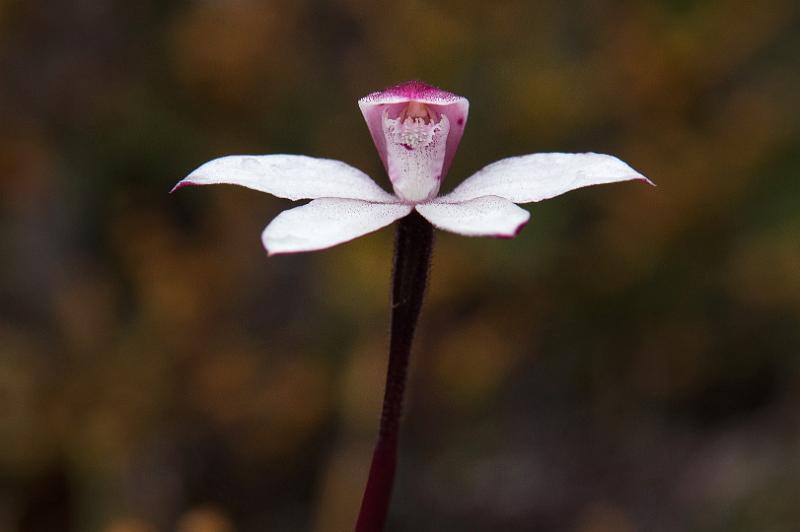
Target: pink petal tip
column 517, row 231
column 181, row 184
column 646, row 180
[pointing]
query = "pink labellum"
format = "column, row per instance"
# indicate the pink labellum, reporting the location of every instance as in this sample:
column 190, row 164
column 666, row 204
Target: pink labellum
column 416, row 129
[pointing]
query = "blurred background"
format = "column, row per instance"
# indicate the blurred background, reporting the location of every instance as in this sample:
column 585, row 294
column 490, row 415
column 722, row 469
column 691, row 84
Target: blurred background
column 630, row 362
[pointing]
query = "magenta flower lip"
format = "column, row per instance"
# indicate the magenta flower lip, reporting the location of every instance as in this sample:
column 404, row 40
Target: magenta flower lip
column 416, row 129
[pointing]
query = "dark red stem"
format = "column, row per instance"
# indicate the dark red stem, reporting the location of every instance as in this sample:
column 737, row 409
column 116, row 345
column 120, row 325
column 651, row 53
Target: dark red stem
column 412, row 259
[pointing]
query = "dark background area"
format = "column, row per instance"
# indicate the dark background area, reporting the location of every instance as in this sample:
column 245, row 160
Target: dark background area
column 628, row 363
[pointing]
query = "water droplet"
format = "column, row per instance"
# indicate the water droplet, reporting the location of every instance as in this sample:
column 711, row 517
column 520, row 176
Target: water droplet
column 251, row 163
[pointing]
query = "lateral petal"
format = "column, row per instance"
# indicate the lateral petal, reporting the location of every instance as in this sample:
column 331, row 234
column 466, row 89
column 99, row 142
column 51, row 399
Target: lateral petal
column 289, row 176
column 541, row 176
column 326, row 222
column 485, row 216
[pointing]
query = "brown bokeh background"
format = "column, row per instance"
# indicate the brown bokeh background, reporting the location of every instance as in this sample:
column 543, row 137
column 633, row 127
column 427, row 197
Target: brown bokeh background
column 628, row 363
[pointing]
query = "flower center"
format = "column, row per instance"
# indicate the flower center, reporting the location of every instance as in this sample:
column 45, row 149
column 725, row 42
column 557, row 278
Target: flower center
column 417, row 110
column 416, row 126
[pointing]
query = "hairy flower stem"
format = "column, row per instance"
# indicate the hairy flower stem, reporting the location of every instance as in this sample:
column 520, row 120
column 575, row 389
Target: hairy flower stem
column 412, row 259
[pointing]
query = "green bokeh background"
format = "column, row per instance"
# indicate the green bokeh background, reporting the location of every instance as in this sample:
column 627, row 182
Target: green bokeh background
column 628, row 363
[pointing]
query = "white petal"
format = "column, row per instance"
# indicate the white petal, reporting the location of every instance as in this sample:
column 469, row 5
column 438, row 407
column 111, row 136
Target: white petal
column 543, row 175
column 290, row 176
column 486, row 216
column 326, row 222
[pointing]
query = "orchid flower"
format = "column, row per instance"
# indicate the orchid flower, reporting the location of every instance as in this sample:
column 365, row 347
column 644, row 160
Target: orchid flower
column 417, row 129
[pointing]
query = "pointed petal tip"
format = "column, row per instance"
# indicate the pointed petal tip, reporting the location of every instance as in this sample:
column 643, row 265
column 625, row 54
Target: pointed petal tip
column 288, row 252
column 510, row 236
column 276, row 253
column 273, row 252
column 646, row 180
column 520, row 227
column 181, row 184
